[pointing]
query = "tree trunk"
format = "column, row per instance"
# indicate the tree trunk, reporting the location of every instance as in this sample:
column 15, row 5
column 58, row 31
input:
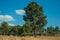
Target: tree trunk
column 34, row 31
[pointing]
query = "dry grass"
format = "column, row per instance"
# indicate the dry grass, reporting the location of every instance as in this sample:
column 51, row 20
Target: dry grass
column 29, row 38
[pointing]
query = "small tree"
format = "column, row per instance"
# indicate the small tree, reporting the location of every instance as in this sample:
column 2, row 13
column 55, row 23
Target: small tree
column 50, row 31
column 5, row 28
column 56, row 30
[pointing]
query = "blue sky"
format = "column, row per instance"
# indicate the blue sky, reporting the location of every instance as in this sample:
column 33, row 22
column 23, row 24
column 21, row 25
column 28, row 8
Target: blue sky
column 12, row 11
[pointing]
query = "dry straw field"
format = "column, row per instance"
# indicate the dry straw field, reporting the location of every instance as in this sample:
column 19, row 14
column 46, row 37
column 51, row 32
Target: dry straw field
column 29, row 38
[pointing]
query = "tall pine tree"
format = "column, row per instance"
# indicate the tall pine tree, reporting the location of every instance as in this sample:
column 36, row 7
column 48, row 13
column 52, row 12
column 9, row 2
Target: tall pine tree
column 35, row 16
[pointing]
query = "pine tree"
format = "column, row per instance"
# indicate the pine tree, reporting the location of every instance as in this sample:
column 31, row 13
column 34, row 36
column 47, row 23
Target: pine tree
column 35, row 16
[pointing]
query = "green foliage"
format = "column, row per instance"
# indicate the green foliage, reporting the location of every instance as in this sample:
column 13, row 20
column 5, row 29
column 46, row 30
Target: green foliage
column 35, row 15
column 20, row 30
column 5, row 28
column 13, row 31
column 50, row 31
column 0, row 30
column 27, row 28
column 56, row 31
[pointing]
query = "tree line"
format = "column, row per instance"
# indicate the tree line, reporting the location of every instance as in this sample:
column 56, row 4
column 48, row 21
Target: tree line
column 26, row 30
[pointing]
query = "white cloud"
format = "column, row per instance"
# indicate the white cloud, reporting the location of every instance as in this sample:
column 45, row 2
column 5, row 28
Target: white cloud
column 11, row 24
column 6, row 18
column 20, row 12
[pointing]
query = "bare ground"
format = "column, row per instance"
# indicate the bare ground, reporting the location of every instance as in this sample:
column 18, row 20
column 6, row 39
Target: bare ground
column 29, row 38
